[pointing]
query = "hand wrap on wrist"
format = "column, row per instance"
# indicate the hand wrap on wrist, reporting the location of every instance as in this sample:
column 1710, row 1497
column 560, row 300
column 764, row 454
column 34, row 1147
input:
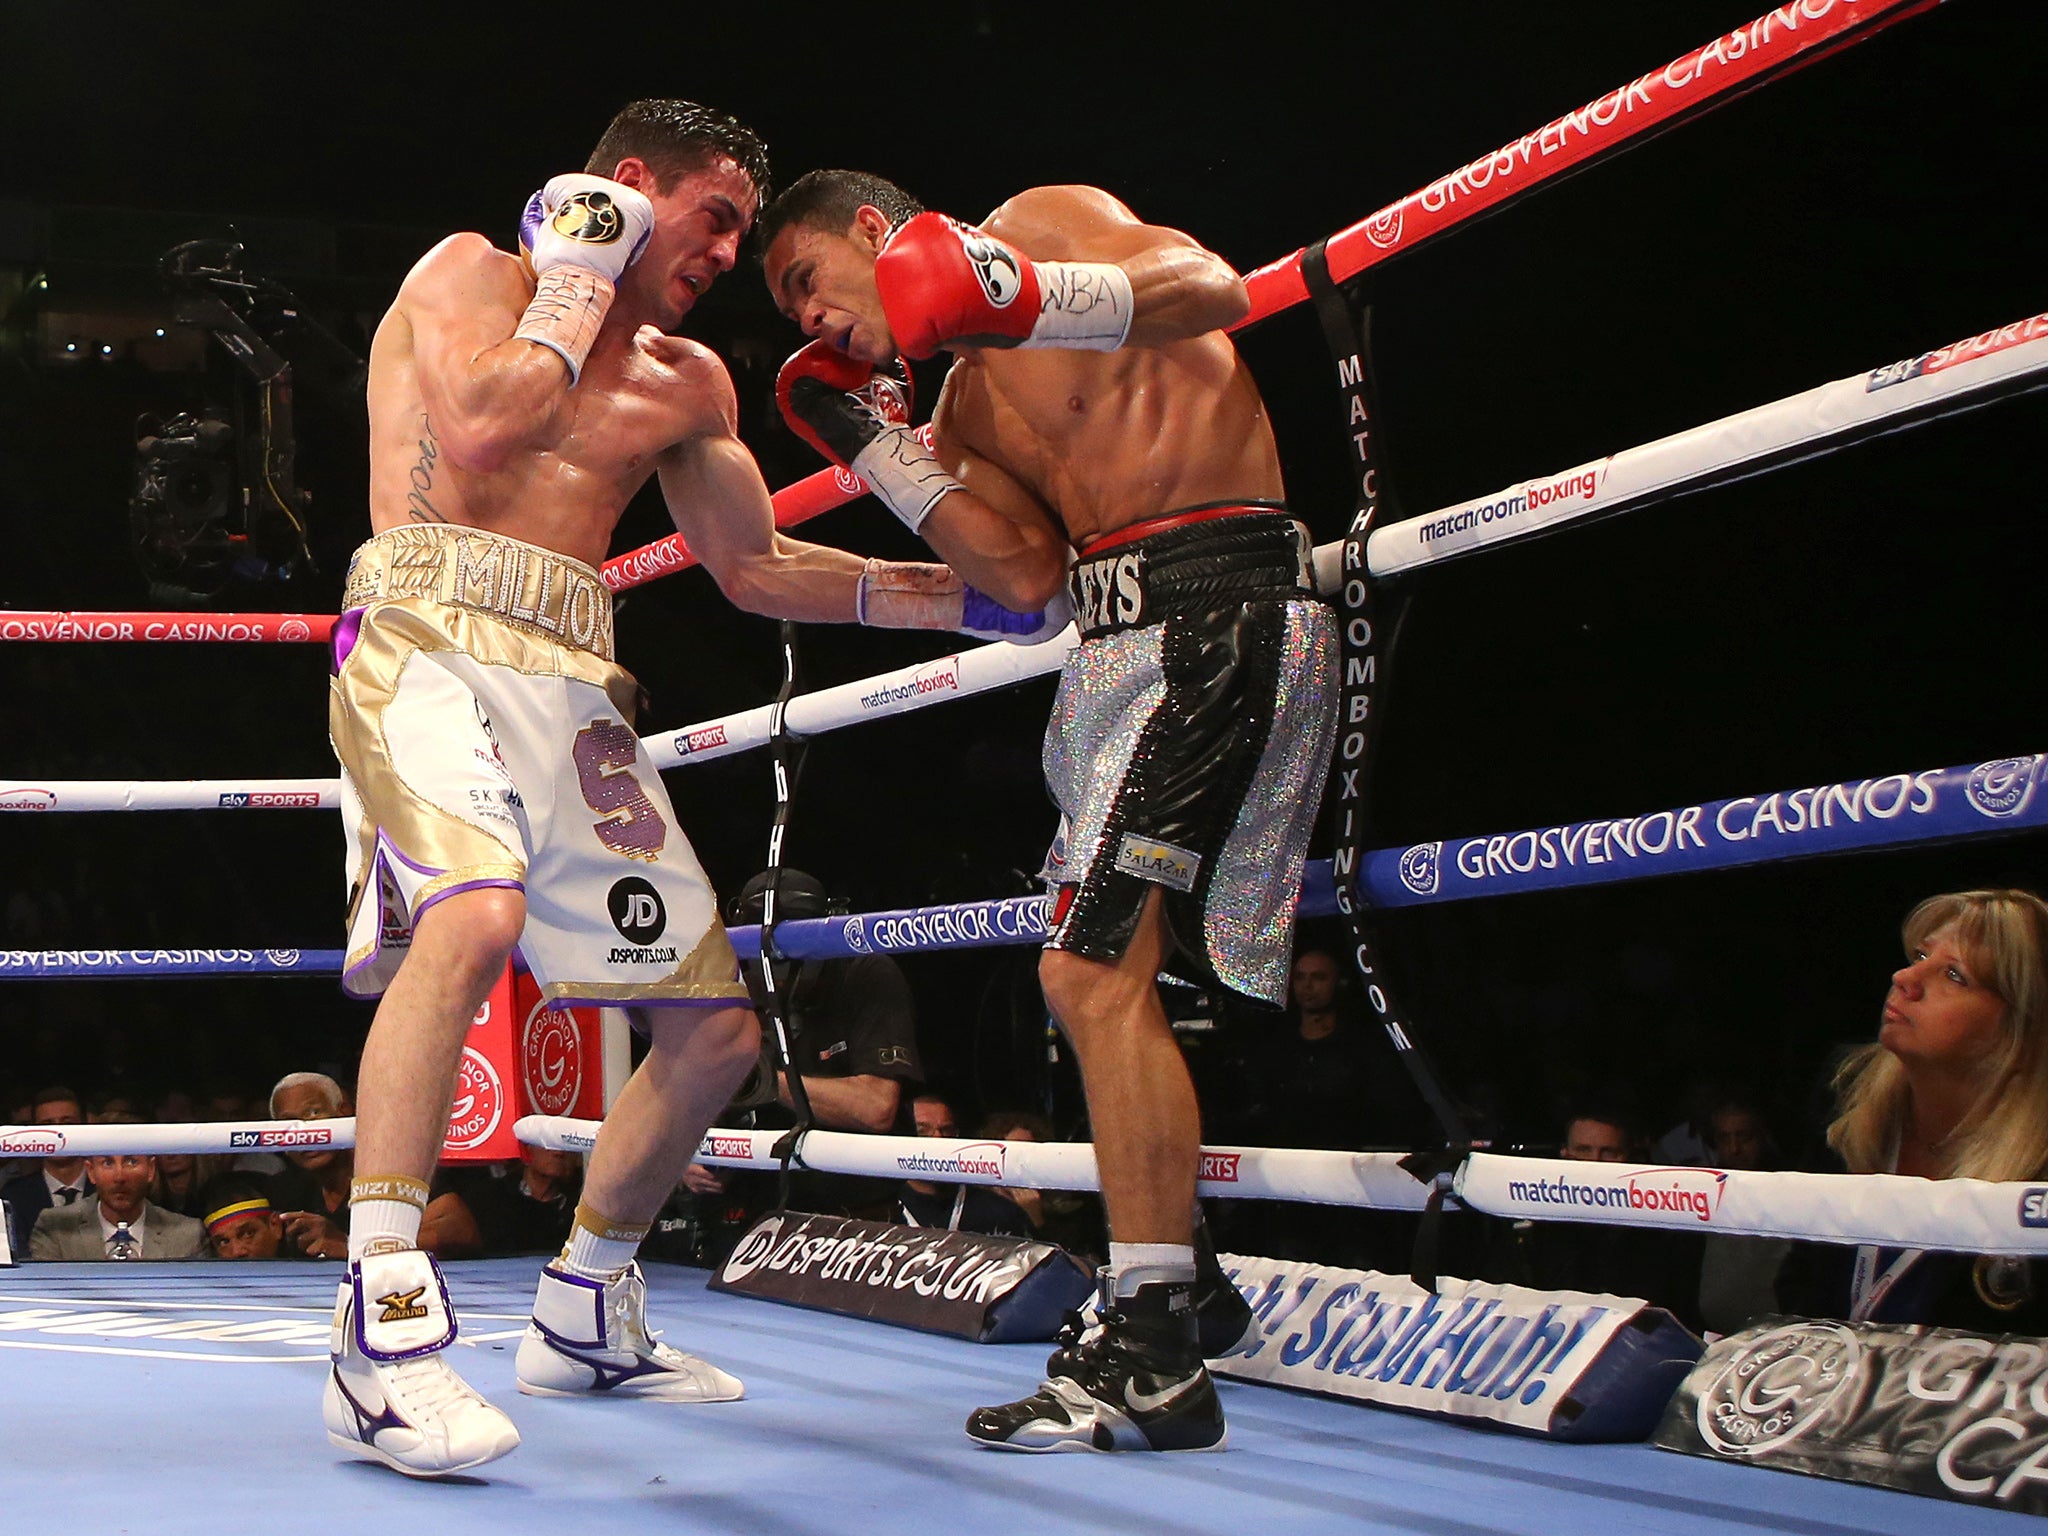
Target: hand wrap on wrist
column 567, row 311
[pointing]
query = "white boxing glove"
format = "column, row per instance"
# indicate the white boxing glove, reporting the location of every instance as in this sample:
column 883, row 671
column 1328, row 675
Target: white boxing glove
column 585, row 221
column 579, row 234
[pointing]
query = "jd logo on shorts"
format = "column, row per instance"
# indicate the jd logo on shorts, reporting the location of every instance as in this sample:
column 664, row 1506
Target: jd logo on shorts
column 636, row 910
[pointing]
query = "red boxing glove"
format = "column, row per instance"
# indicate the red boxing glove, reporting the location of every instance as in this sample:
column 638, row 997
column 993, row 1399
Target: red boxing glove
column 858, row 415
column 944, row 282
column 839, row 404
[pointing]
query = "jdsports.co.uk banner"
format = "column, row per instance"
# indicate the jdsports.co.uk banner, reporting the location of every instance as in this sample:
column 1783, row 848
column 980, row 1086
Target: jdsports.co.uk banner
column 993, row 1290
column 1928, row 1410
column 1562, row 1364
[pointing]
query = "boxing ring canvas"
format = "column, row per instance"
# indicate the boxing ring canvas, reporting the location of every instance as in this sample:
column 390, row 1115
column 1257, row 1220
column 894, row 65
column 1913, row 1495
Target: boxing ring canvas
column 191, row 1393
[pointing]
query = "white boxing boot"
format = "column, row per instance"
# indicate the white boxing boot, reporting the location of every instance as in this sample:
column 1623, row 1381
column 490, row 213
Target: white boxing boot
column 390, row 1391
column 591, row 1336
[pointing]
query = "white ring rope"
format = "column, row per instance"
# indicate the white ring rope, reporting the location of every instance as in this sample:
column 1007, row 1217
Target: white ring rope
column 205, row 1138
column 1965, row 1215
column 1955, row 1215
column 1893, row 398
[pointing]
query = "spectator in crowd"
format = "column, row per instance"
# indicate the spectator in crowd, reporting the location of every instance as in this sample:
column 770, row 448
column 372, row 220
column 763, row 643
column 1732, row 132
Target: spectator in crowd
column 223, row 1101
column 1661, row 1268
column 58, row 1182
column 115, row 1108
column 120, row 1222
column 1954, row 1087
column 958, row 1207
column 853, row 1034
column 240, row 1221
column 486, row 1211
column 1067, row 1217
column 181, row 1179
column 311, row 1194
column 1691, row 1142
column 1316, row 1076
column 1739, row 1275
column 1597, row 1136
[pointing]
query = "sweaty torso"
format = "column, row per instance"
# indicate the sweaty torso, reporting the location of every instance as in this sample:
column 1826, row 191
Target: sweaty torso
column 564, row 486
column 1107, row 439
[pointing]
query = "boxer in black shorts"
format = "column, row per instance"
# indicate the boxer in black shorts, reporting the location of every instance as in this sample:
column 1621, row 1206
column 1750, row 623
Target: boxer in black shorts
column 1096, row 413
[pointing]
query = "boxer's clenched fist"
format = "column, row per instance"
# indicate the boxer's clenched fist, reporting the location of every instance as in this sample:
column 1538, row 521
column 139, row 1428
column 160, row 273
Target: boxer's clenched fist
column 585, row 221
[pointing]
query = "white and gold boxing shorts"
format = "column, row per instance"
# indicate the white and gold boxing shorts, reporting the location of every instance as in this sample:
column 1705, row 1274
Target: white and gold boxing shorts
column 486, row 739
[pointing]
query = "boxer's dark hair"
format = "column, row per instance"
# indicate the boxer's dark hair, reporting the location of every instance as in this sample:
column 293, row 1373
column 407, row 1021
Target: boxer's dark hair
column 828, row 200
column 676, row 138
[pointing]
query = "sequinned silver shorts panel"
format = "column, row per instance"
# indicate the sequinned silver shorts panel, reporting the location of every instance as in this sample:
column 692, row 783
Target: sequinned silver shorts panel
column 1191, row 755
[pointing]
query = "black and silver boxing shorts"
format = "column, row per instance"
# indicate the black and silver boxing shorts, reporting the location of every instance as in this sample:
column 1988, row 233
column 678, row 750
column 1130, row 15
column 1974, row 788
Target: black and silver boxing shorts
column 1190, row 740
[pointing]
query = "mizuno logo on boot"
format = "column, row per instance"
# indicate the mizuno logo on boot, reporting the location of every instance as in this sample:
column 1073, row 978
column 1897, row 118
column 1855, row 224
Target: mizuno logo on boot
column 402, row 1306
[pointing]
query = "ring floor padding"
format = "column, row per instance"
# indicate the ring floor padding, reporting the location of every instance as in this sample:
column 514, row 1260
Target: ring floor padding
column 186, row 1397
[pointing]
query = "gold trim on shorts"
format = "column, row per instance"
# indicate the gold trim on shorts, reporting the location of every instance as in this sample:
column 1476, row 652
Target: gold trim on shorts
column 711, row 971
column 533, row 588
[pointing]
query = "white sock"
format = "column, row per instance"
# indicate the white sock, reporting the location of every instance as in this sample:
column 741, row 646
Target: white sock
column 1134, row 1264
column 384, row 1214
column 600, row 1248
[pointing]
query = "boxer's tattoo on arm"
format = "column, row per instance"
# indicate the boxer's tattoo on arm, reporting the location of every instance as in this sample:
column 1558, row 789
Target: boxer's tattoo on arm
column 418, row 501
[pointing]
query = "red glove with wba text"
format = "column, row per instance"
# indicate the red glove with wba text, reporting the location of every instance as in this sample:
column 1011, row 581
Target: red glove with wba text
column 946, row 283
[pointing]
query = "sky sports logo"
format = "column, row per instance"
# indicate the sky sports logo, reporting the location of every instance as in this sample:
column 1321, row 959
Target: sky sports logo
column 2034, row 1206
column 270, row 799
column 701, row 740
column 298, row 1137
column 1984, row 344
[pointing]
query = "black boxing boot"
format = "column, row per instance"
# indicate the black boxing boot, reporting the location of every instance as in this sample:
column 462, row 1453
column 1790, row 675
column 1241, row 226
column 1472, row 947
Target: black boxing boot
column 1137, row 1385
column 1222, row 1316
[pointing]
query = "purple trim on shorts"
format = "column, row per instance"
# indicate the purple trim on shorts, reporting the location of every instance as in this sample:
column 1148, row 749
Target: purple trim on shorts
column 384, row 845
column 742, row 1001
column 456, row 890
column 347, row 631
column 349, row 973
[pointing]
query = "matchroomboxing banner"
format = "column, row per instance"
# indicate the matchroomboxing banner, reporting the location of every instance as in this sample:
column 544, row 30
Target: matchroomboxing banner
column 1928, row 1410
column 1563, row 1364
column 992, row 1290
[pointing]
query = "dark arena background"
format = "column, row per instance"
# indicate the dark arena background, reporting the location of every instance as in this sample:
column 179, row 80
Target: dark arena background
column 1874, row 611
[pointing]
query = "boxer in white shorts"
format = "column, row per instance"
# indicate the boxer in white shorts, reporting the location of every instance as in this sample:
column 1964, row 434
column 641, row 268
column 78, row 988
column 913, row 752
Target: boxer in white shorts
column 495, row 794
column 501, row 755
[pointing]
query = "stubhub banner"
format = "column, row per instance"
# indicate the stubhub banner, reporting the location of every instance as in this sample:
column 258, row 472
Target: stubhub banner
column 993, row 1290
column 1563, row 1364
